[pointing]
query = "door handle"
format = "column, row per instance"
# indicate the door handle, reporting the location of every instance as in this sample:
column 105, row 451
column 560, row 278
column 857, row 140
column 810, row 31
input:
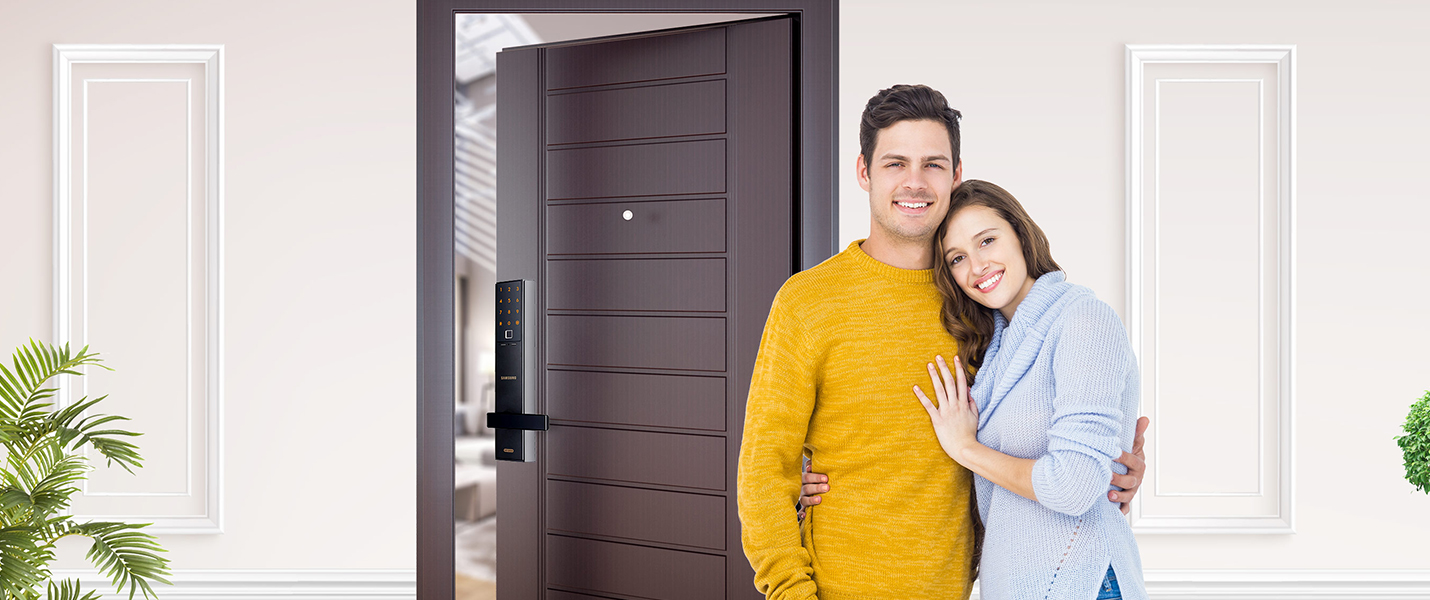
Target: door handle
column 515, row 420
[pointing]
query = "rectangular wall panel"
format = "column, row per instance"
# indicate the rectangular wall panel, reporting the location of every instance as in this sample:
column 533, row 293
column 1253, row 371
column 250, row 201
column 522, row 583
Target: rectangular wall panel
column 139, row 271
column 1210, row 294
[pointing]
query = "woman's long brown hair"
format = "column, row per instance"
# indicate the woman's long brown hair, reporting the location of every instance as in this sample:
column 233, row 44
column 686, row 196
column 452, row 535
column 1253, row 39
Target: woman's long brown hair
column 971, row 323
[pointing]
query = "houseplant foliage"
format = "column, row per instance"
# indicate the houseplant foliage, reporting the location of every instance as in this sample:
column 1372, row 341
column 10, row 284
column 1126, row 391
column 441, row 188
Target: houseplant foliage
column 1416, row 444
column 42, row 465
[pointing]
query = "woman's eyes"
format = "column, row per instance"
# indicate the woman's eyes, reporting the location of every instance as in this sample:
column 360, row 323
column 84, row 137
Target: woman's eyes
column 987, row 241
column 955, row 260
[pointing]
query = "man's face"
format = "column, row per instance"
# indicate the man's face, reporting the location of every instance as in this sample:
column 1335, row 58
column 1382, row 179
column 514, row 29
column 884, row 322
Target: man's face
column 909, row 179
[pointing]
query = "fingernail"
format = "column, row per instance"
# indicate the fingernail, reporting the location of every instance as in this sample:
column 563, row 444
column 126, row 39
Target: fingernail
column 823, row 478
column 816, row 500
column 939, row 357
column 823, row 488
column 1114, row 495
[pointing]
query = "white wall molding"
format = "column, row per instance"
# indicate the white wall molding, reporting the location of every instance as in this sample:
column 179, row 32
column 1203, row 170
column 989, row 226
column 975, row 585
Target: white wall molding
column 268, row 584
column 1140, row 312
column 1284, row 584
column 66, row 198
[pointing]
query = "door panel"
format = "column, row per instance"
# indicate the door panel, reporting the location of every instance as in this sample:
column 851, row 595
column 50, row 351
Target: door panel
column 696, row 285
column 654, row 227
column 683, row 343
column 636, row 514
column 648, row 325
column 624, row 114
column 669, row 459
column 676, row 401
column 634, row 570
column 663, row 169
column 637, row 59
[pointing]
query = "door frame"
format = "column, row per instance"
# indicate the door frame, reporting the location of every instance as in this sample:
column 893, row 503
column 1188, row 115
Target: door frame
column 817, row 190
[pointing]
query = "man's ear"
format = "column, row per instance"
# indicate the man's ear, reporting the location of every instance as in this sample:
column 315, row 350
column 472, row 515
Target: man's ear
column 958, row 174
column 861, row 171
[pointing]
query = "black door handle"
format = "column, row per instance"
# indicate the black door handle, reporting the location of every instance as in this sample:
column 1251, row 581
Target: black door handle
column 522, row 421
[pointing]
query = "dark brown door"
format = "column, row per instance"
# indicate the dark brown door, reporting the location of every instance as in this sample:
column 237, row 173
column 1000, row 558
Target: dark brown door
column 647, row 184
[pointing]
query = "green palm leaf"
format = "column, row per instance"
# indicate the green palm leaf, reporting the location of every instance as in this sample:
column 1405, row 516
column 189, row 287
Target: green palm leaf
column 126, row 555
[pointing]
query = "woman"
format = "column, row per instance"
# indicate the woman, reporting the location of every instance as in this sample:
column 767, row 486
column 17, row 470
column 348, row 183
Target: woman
column 1053, row 403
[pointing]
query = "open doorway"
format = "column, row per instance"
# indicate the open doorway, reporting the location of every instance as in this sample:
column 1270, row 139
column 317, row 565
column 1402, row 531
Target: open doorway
column 454, row 388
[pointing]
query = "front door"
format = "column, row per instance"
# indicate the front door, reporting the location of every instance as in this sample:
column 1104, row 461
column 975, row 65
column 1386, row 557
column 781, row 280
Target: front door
column 647, row 185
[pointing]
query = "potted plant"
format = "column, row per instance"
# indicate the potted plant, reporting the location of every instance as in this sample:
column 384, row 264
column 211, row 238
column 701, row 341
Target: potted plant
column 43, row 462
column 1416, row 444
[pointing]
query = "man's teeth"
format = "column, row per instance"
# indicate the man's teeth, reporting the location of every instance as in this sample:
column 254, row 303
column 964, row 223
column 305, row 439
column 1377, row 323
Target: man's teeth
column 995, row 279
column 912, row 204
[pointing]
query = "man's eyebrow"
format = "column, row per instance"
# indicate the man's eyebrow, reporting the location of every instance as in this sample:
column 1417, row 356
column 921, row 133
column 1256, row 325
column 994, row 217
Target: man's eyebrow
column 927, row 159
column 975, row 236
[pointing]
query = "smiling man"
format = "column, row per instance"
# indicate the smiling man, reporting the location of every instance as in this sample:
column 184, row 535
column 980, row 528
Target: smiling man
column 844, row 345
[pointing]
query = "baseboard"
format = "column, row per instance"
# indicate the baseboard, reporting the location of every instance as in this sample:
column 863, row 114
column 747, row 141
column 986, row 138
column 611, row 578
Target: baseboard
column 1162, row 584
column 268, row 584
column 1285, row 584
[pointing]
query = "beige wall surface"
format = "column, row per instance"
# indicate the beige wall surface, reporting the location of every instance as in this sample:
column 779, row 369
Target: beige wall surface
column 320, row 260
column 320, row 256
column 1041, row 87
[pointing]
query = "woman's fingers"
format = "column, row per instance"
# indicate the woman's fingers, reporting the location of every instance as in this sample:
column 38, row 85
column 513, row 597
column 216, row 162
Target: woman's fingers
column 963, row 386
column 938, row 388
column 811, row 489
column 809, row 500
column 948, row 382
column 808, row 477
column 928, row 405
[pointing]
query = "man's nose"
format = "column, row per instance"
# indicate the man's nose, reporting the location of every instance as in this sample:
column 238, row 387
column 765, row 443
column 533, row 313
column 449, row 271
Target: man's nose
column 915, row 180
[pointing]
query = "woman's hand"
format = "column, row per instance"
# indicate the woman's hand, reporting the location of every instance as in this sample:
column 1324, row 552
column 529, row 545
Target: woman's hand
column 955, row 419
column 814, row 484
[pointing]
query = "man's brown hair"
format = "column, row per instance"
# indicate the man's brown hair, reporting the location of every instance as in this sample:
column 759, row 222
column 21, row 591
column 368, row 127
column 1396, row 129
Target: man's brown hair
column 906, row 103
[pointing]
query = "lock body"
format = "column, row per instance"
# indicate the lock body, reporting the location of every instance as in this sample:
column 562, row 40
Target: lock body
column 515, row 420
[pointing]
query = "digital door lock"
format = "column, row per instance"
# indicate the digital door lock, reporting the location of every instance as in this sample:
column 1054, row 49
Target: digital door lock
column 514, row 420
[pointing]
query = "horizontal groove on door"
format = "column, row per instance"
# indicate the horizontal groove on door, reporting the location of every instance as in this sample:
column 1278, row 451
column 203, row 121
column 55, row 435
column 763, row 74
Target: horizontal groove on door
column 631, row 570
column 636, row 170
column 654, row 111
column 693, row 343
column 642, row 515
column 683, row 460
column 632, row 399
column 564, row 595
column 654, row 227
column 696, row 285
column 641, row 59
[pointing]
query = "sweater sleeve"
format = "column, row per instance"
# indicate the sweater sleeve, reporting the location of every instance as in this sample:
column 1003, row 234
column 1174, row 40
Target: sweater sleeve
column 781, row 400
column 1090, row 365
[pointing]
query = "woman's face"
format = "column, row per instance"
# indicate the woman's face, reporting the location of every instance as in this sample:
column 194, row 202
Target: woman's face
column 986, row 258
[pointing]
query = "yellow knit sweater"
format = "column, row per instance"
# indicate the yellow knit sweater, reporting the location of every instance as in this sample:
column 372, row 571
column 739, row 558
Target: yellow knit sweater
column 844, row 345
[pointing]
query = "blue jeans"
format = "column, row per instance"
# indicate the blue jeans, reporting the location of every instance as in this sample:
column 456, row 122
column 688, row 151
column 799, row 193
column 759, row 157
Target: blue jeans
column 1109, row 590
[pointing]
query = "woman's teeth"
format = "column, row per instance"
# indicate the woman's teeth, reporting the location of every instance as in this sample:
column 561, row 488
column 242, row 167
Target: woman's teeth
column 985, row 285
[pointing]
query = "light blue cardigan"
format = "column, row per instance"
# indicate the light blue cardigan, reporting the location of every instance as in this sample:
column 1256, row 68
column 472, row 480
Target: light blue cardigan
column 1058, row 384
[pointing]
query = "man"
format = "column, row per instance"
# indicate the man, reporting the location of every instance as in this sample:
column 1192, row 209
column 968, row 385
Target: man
column 844, row 345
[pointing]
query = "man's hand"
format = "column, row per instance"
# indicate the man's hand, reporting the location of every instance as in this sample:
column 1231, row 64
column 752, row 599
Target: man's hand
column 1136, row 467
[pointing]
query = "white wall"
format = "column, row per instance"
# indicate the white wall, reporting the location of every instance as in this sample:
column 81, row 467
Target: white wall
column 1041, row 88
column 320, row 221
